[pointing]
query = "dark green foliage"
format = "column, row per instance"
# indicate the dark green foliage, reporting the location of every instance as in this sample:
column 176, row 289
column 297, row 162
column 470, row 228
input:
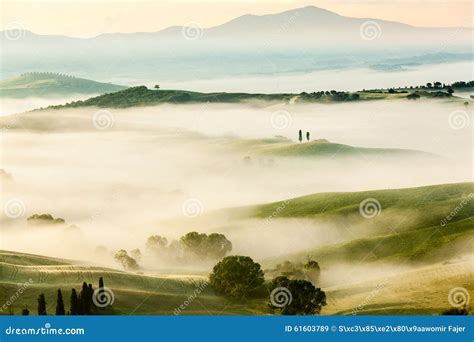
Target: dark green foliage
column 305, row 298
column 127, row 262
column 296, row 270
column 236, row 276
column 214, row 246
column 44, row 219
column 41, row 305
column 75, row 304
column 332, row 95
column 25, row 311
column 300, row 135
column 413, row 96
column 156, row 243
column 456, row 312
column 60, row 311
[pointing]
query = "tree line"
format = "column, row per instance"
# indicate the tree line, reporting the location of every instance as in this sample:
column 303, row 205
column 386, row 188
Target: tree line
column 80, row 303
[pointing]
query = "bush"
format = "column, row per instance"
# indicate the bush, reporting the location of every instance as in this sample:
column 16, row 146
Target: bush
column 305, row 299
column 236, row 276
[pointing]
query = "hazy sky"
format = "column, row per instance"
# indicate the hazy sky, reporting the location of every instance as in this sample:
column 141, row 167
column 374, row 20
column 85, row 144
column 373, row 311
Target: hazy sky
column 86, row 18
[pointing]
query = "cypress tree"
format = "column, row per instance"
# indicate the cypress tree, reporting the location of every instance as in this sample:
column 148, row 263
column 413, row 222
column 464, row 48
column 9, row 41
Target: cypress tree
column 90, row 294
column 300, row 135
column 101, row 284
column 41, row 305
column 60, row 311
column 86, row 298
column 75, row 305
column 25, row 311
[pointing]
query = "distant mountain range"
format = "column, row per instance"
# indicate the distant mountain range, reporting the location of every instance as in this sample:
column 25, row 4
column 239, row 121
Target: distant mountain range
column 304, row 39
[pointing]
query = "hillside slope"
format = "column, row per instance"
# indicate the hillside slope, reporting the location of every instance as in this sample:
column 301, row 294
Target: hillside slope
column 46, row 84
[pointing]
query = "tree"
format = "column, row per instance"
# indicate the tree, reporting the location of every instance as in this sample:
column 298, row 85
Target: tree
column 300, row 135
column 217, row 245
column 101, row 283
column 157, row 86
column 127, row 262
column 41, row 305
column 25, row 311
column 213, row 246
column 236, row 276
column 75, row 305
column 307, row 136
column 312, row 270
column 456, row 312
column 156, row 243
column 60, row 311
column 437, row 84
column 305, row 299
column 413, row 96
column 136, row 254
column 86, row 299
column 428, row 85
column 450, row 91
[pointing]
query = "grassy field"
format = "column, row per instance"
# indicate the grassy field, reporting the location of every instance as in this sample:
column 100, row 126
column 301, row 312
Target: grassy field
column 410, row 232
column 410, row 225
column 134, row 293
column 421, row 291
column 50, row 84
column 318, row 148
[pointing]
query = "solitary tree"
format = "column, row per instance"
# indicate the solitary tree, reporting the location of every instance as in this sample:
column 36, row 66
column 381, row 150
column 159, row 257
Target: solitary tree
column 236, row 276
column 101, row 283
column 127, row 261
column 305, row 298
column 307, row 136
column 157, row 86
column 300, row 136
column 60, row 311
column 41, row 305
column 25, row 311
column 75, row 305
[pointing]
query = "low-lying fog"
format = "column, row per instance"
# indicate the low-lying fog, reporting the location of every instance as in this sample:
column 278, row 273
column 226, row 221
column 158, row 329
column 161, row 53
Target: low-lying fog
column 144, row 170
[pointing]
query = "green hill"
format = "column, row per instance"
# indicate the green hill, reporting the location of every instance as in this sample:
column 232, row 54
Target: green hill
column 411, row 225
column 319, row 148
column 46, row 84
column 134, row 293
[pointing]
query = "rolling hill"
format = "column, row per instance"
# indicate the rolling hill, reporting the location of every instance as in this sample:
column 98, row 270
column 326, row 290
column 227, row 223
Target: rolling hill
column 414, row 225
column 282, row 147
column 46, row 84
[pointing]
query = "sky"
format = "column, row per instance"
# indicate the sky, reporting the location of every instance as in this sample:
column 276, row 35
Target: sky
column 87, row 18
